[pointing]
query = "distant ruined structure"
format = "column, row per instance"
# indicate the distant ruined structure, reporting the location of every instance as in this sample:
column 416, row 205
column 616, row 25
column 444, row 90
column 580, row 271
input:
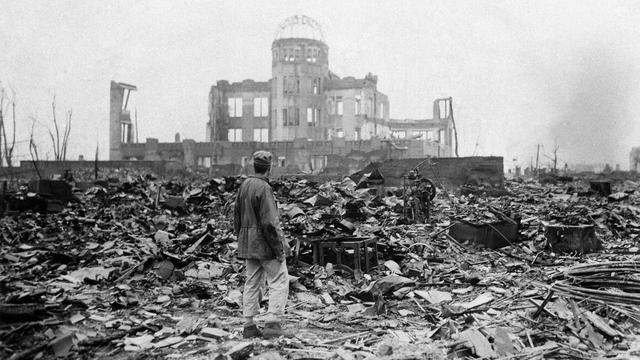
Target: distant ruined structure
column 307, row 116
column 121, row 129
column 634, row 159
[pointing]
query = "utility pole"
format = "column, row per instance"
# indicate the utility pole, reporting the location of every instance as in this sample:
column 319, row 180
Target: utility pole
column 136, row 120
column 555, row 159
column 537, row 168
column 455, row 131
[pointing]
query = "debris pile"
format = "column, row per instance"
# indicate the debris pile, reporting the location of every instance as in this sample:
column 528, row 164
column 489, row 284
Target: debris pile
column 139, row 265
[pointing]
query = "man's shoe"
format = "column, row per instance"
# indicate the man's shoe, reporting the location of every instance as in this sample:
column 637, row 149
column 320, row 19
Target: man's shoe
column 272, row 330
column 251, row 331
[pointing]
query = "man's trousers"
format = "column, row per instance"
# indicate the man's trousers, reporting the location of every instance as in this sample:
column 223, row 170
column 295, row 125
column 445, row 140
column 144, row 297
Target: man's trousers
column 277, row 276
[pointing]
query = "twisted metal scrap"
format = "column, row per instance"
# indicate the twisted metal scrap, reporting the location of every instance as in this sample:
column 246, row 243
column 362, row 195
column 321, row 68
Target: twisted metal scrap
column 613, row 282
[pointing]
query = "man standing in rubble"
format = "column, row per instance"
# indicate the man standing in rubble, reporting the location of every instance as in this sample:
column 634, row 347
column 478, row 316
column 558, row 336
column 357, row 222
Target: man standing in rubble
column 261, row 244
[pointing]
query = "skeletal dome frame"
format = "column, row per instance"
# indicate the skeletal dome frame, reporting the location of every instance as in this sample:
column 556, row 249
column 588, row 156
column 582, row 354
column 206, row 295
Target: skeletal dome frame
column 300, row 26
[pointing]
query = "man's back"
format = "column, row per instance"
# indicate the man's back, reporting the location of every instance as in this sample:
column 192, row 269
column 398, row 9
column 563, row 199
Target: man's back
column 261, row 244
column 256, row 220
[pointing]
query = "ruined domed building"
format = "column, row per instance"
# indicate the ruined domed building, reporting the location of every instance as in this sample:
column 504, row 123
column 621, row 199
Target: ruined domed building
column 307, row 116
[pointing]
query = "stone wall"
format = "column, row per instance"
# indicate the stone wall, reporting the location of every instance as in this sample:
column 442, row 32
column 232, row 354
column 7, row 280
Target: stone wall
column 299, row 152
column 27, row 170
column 450, row 172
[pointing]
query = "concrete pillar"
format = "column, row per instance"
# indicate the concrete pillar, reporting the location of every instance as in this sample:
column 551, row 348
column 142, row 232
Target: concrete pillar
column 339, row 146
column 376, row 144
column 188, row 147
column 115, row 131
column 301, row 155
column 151, row 150
column 119, row 117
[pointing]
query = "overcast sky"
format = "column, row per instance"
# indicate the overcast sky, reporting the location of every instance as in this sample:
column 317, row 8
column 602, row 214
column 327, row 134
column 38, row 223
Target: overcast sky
column 521, row 73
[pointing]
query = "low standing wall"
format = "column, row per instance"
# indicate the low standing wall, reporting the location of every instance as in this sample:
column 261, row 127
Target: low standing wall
column 450, row 172
column 27, row 169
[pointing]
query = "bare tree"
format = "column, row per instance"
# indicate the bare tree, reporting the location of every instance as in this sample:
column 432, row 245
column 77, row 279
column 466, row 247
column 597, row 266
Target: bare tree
column 2, row 112
column 60, row 139
column 8, row 147
column 33, row 149
column 555, row 159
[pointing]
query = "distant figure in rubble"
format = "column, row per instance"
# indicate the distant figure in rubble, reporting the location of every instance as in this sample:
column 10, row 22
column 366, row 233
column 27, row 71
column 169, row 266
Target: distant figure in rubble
column 423, row 198
column 262, row 245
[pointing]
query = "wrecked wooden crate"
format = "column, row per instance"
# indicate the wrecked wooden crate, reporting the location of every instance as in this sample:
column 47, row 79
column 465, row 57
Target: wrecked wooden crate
column 491, row 235
column 568, row 238
column 354, row 255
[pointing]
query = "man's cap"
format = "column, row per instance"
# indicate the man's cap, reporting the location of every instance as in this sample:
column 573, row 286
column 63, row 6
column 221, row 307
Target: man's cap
column 262, row 158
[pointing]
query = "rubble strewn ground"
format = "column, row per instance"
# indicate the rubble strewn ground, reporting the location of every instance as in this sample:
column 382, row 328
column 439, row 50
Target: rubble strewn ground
column 144, row 268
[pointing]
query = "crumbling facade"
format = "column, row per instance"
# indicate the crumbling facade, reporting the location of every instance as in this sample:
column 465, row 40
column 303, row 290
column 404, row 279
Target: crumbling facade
column 634, row 159
column 304, row 99
column 121, row 129
column 305, row 114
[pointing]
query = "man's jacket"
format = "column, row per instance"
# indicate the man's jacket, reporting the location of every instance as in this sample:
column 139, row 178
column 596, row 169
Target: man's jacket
column 256, row 220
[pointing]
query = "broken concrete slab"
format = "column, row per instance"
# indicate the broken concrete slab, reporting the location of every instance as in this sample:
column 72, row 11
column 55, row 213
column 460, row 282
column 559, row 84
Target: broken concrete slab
column 434, row 296
column 214, row 333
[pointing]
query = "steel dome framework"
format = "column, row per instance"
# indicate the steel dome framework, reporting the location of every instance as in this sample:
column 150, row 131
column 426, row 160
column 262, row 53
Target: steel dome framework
column 300, row 26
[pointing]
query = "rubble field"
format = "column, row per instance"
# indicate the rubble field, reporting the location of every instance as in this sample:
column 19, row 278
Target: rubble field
column 143, row 268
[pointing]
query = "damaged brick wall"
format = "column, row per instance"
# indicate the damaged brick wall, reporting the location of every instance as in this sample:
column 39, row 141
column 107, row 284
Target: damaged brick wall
column 451, row 172
column 47, row 169
column 298, row 155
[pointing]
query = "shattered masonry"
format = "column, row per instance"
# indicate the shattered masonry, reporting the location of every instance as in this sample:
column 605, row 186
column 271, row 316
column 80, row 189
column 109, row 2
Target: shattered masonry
column 140, row 265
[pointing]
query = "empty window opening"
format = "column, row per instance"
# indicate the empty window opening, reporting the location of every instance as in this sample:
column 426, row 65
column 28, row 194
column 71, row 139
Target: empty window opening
column 310, row 116
column 419, row 135
column 235, row 135
column 235, row 107
column 260, row 107
column 261, row 135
